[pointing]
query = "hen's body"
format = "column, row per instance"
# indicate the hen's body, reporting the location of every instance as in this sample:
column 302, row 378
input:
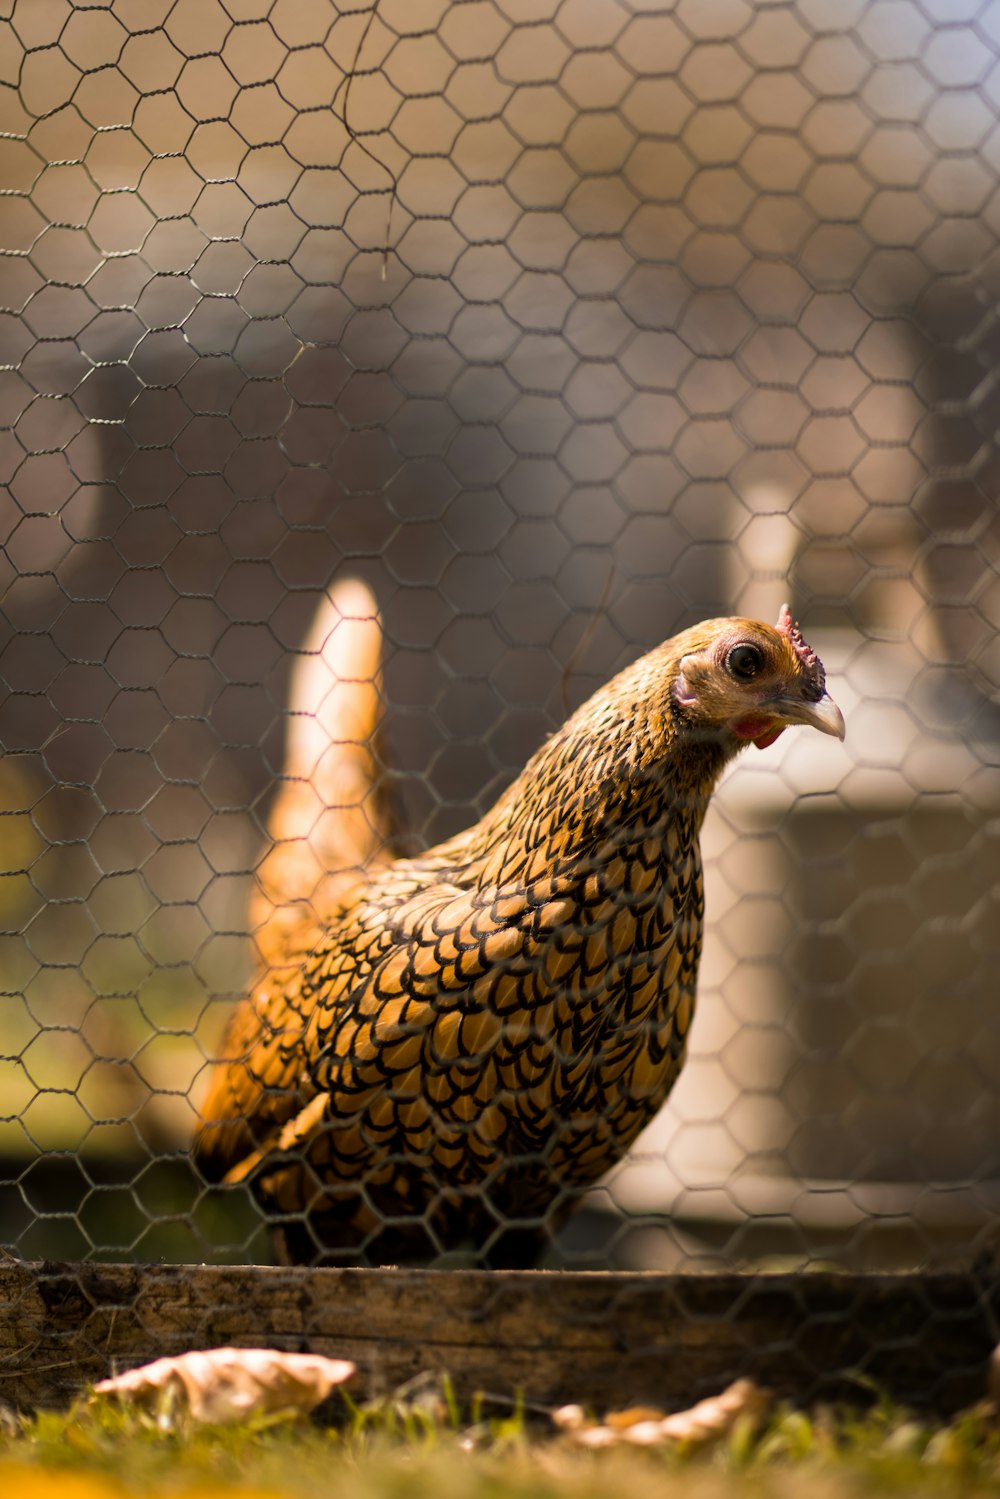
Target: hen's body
column 477, row 1035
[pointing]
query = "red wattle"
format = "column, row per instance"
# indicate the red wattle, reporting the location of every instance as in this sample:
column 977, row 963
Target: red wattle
column 769, row 736
column 760, row 730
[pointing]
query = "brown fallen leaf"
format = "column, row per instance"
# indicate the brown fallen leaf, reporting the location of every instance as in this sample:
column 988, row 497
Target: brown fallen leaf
column 222, row 1385
column 636, row 1415
column 708, row 1421
column 570, row 1418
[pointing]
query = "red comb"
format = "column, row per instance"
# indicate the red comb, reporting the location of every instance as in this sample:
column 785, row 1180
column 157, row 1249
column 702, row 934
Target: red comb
column 805, row 653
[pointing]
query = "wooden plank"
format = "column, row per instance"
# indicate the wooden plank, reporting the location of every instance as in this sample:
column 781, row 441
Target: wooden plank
column 602, row 1339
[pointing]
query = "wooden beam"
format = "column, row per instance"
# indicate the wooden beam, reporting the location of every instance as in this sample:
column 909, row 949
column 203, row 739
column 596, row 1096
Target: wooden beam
column 604, row 1340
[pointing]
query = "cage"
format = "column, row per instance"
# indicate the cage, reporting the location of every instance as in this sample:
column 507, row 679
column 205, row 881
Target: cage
column 562, row 326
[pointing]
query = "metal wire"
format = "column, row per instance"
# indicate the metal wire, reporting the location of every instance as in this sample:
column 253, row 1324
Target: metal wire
column 674, row 310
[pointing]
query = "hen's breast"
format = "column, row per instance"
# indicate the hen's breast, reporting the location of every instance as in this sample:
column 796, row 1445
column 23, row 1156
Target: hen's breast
column 509, row 1040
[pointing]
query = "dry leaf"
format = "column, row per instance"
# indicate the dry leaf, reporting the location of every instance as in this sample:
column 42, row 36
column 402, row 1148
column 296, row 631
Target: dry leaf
column 229, row 1384
column 570, row 1417
column 718, row 1415
column 708, row 1421
column 635, row 1415
column 643, row 1434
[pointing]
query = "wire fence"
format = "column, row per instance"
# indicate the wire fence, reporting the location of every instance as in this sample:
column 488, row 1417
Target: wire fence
column 562, row 326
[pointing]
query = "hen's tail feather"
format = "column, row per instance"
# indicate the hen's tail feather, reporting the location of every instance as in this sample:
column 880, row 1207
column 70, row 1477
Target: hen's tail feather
column 330, row 814
column 328, row 822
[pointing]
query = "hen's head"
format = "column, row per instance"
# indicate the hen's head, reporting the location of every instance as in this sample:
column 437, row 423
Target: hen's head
column 750, row 680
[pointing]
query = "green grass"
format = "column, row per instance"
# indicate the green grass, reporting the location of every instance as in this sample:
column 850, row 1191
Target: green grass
column 423, row 1447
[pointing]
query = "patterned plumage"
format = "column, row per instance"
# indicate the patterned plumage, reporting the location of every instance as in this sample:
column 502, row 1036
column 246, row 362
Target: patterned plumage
column 458, row 1044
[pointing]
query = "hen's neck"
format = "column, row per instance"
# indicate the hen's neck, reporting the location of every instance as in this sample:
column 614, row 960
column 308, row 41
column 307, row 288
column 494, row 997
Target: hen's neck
column 611, row 778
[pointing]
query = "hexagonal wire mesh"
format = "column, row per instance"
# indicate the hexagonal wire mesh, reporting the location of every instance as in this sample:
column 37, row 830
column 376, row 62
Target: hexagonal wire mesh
column 564, row 324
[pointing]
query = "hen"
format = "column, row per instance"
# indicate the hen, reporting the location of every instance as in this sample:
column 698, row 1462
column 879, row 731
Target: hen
column 445, row 1051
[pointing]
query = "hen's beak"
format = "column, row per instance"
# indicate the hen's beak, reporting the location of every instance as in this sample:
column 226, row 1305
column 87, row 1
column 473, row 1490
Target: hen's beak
column 824, row 715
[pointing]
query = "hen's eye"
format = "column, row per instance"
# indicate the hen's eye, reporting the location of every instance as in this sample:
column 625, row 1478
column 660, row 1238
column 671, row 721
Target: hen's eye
column 744, row 662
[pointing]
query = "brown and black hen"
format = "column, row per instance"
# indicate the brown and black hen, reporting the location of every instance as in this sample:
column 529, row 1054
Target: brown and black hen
column 444, row 1051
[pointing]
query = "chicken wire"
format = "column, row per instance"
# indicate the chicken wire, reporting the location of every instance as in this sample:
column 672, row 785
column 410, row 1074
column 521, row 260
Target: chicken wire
column 563, row 326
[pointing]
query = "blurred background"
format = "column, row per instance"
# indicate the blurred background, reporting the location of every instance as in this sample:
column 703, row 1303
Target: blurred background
column 564, row 325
